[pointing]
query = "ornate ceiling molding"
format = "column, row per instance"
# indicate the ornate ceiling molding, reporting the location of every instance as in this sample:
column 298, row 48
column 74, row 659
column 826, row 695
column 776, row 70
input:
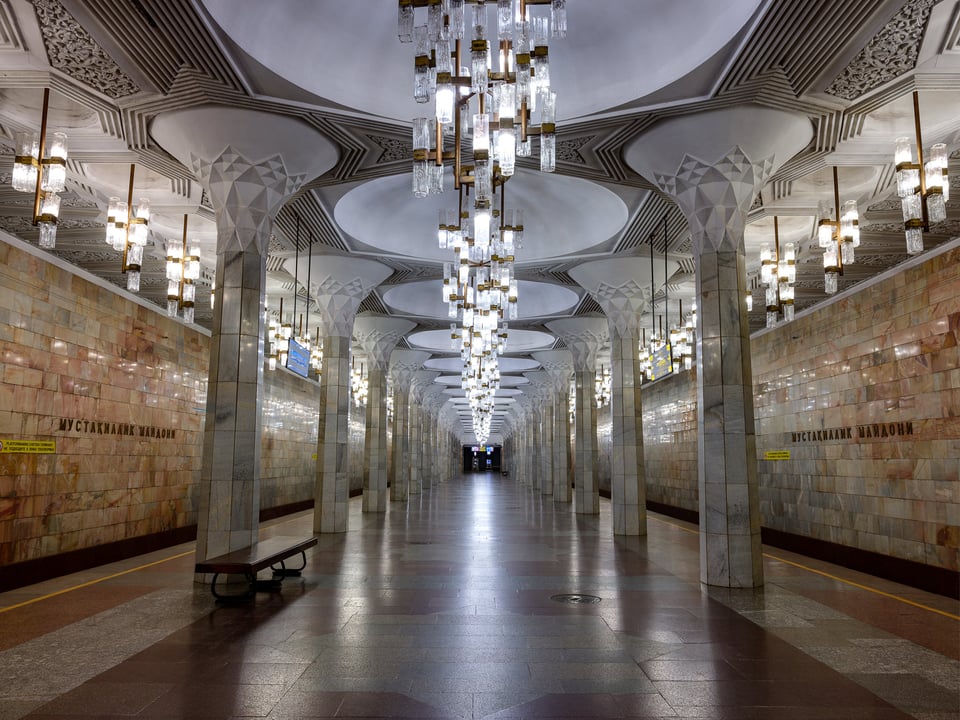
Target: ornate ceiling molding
column 71, row 50
column 890, row 54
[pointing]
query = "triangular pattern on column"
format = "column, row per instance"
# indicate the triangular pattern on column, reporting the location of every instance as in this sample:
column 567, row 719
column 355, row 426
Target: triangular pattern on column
column 246, row 196
column 716, row 197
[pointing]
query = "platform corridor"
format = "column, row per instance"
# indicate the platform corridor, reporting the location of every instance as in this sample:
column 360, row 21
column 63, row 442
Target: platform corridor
column 447, row 607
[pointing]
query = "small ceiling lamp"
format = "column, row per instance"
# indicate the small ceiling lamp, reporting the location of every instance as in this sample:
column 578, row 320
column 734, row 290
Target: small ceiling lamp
column 183, row 271
column 837, row 238
column 127, row 232
column 40, row 167
column 923, row 187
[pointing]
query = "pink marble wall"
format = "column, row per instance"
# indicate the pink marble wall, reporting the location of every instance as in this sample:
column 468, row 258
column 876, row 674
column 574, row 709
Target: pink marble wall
column 886, row 355
column 85, row 367
column 78, row 355
column 865, row 394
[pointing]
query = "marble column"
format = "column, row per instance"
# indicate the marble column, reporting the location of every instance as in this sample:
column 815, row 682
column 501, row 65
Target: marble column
column 624, row 288
column 428, row 396
column 338, row 285
column 545, row 396
column 378, row 335
column 421, row 380
column 713, row 164
column 247, row 179
column 403, row 365
column 584, row 336
column 559, row 364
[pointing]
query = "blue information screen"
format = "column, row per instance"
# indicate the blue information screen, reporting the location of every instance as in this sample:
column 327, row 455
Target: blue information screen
column 298, row 359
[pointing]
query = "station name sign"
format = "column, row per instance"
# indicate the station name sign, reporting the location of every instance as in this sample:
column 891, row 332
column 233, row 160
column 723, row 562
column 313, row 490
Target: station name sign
column 874, row 431
column 95, row 427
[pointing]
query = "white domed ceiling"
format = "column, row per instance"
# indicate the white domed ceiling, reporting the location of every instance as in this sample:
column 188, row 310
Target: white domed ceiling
column 644, row 44
column 425, row 298
column 384, row 214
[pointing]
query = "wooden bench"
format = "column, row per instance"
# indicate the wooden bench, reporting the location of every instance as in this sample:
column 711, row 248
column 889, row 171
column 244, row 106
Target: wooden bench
column 270, row 552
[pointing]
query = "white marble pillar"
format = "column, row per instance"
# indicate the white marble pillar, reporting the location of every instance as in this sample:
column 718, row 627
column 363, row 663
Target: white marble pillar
column 403, row 365
column 421, row 380
column 713, row 164
column 338, row 284
column 624, row 287
column 247, row 179
column 559, row 364
column 545, row 398
column 428, row 398
column 378, row 335
column 584, row 336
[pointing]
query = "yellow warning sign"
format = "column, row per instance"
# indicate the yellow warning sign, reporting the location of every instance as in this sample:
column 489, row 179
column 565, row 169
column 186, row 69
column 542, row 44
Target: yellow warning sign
column 776, row 455
column 35, row 447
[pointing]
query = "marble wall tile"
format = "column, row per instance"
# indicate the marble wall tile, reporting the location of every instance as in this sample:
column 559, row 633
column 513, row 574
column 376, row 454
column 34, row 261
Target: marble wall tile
column 831, row 369
column 93, row 356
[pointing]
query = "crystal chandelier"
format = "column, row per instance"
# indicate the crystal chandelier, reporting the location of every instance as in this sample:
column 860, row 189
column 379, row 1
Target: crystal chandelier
column 279, row 334
column 602, row 386
column 923, row 187
column 778, row 271
column 183, row 271
column 837, row 238
column 127, row 232
column 40, row 167
column 493, row 104
column 359, row 385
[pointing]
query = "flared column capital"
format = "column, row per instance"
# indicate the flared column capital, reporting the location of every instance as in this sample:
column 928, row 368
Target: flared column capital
column 378, row 335
column 714, row 163
column 338, row 284
column 624, row 287
column 584, row 337
column 250, row 163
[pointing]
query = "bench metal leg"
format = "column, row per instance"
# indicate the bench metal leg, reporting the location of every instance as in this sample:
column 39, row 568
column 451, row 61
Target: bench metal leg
column 235, row 597
column 283, row 571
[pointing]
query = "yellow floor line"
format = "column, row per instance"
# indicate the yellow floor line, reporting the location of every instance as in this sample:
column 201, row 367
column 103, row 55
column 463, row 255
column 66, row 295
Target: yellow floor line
column 93, row 582
column 832, row 577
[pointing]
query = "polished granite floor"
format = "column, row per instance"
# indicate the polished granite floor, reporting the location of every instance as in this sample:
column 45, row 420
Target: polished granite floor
column 445, row 608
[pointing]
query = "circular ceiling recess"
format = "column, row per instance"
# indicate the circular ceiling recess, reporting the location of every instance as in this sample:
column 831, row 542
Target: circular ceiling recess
column 517, row 341
column 296, row 37
column 383, row 214
column 507, row 365
column 425, row 298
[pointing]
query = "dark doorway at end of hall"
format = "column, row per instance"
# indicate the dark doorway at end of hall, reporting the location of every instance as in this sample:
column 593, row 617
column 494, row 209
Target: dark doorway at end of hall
column 481, row 458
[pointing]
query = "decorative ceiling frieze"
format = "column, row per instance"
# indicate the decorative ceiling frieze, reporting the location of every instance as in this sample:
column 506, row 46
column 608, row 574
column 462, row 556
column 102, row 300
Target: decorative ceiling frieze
column 568, row 149
column 891, row 53
column 71, row 50
column 394, row 149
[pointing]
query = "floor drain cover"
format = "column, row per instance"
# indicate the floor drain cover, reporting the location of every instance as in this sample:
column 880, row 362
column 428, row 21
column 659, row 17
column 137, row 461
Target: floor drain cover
column 576, row 599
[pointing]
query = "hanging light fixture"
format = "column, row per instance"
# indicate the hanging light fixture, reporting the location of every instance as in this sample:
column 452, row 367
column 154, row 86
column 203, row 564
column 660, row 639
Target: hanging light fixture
column 183, row 271
column 359, row 384
column 40, row 167
column 778, row 271
column 838, row 238
column 603, row 384
column 923, row 187
column 493, row 104
column 278, row 334
column 127, row 232
column 493, row 107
